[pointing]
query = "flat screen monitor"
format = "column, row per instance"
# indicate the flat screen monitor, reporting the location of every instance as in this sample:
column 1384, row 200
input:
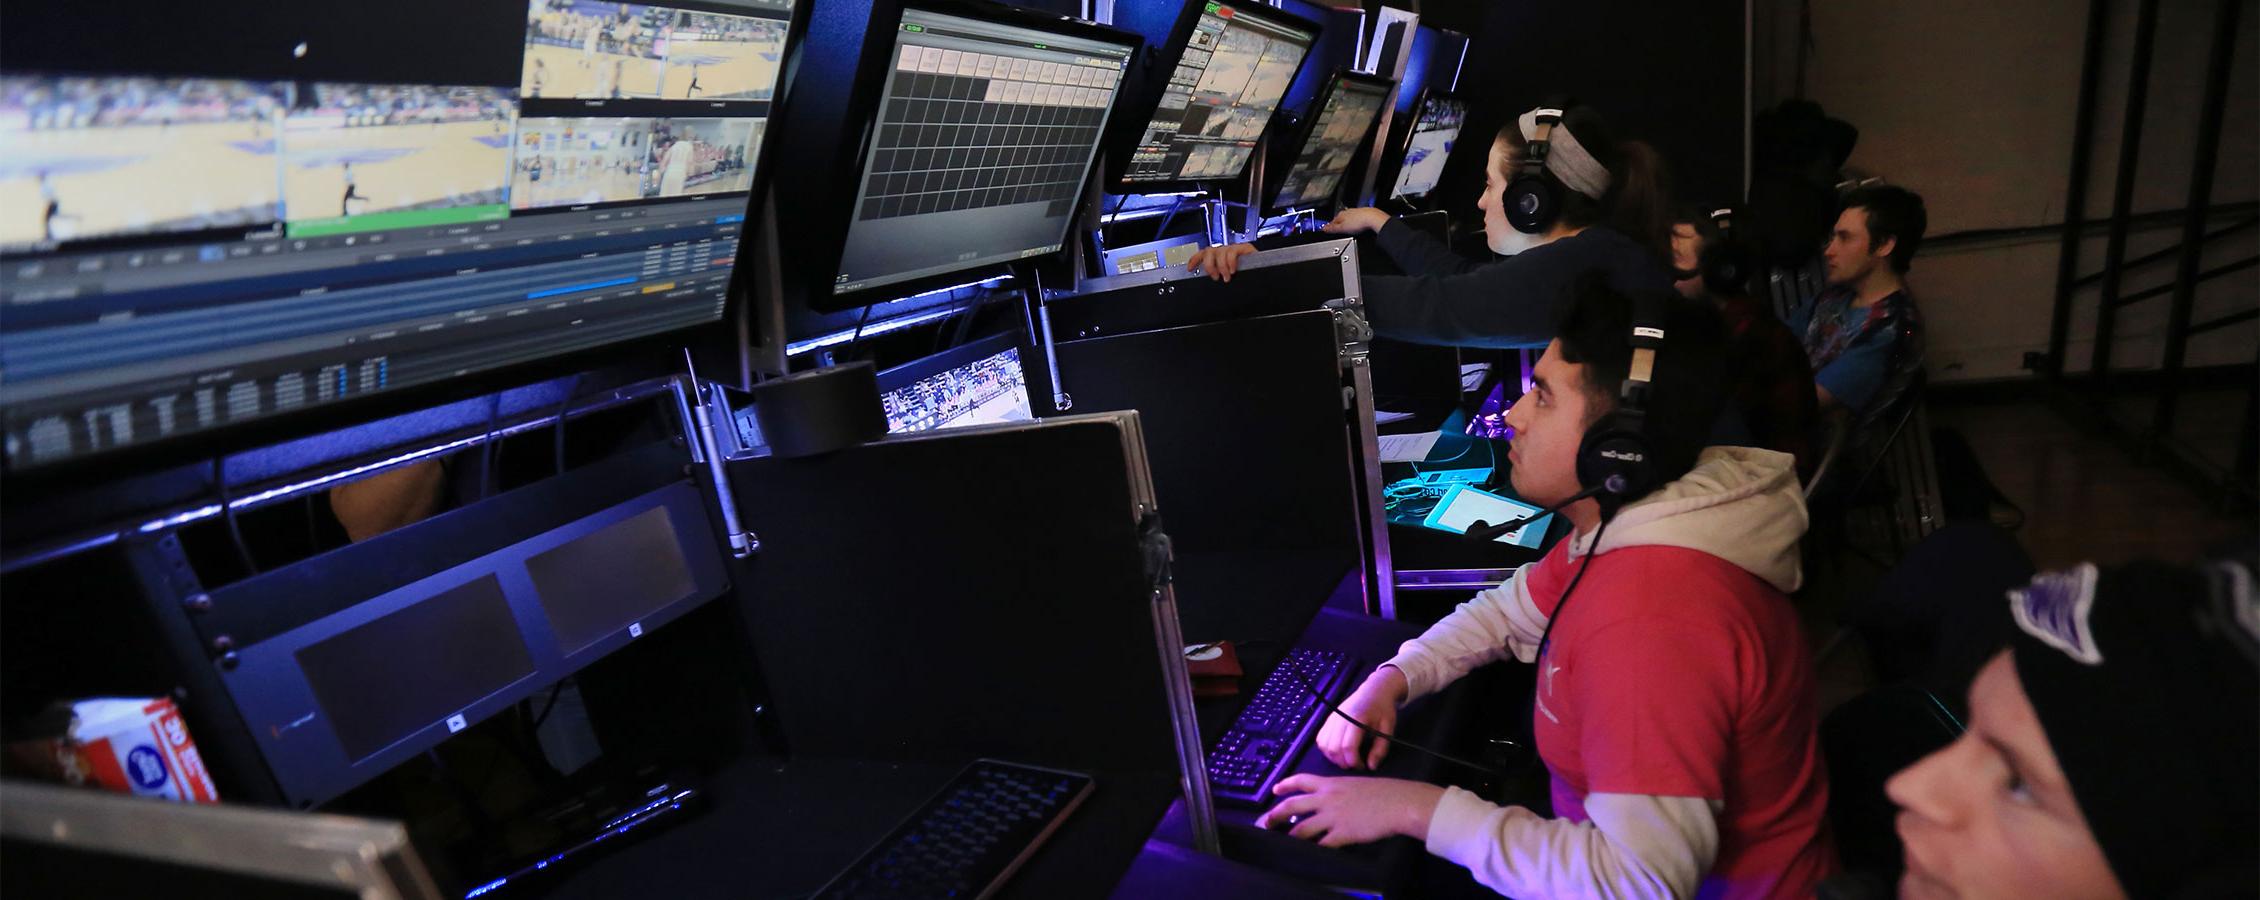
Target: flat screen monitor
column 981, row 142
column 1348, row 106
column 1435, row 129
column 981, row 383
column 290, row 212
column 1229, row 72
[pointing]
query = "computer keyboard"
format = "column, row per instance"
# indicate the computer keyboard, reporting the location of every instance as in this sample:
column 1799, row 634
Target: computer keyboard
column 968, row 839
column 1263, row 742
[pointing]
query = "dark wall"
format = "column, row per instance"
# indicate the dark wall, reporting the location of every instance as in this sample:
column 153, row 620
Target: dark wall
column 1666, row 73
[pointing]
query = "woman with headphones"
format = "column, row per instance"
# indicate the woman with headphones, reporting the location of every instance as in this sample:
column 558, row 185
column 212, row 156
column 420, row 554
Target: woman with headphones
column 1561, row 197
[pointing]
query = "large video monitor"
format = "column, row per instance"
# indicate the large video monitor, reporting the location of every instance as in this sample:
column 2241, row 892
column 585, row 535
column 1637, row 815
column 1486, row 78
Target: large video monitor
column 1436, row 128
column 1229, row 64
column 982, row 383
column 211, row 220
column 980, row 143
column 1348, row 105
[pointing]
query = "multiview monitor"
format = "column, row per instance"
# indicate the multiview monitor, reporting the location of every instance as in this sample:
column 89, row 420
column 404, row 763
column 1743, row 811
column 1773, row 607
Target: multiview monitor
column 320, row 204
column 1228, row 74
column 1347, row 107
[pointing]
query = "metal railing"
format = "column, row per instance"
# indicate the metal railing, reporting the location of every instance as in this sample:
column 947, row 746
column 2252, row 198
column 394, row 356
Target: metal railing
column 2103, row 384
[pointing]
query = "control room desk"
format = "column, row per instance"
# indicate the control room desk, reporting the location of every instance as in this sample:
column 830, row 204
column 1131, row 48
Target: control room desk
column 1397, row 866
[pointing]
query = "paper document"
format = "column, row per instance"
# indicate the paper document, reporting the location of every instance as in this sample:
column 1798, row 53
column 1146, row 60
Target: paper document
column 1407, row 447
column 1384, row 417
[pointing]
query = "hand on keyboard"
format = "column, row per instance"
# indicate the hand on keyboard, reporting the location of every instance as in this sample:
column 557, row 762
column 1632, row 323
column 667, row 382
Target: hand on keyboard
column 1374, row 703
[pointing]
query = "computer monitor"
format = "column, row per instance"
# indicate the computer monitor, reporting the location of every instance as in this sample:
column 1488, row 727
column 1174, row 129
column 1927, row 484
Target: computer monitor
column 979, row 145
column 269, row 224
column 1229, row 65
column 1348, row 105
column 1435, row 129
column 981, row 383
column 79, row 842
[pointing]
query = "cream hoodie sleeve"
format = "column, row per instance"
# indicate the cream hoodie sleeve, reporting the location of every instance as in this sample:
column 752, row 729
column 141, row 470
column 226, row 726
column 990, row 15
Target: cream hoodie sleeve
column 1487, row 628
column 1635, row 846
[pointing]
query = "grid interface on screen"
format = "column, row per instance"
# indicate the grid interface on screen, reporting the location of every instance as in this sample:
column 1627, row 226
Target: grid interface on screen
column 970, row 130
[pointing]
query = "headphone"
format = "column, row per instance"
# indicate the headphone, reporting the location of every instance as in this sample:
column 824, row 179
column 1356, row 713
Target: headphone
column 1724, row 265
column 1534, row 198
column 1614, row 462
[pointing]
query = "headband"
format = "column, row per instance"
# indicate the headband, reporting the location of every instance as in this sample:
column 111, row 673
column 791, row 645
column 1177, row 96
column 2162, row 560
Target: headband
column 1568, row 159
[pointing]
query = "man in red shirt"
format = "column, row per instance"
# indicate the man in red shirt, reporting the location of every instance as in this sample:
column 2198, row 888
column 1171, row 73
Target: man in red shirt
column 1675, row 705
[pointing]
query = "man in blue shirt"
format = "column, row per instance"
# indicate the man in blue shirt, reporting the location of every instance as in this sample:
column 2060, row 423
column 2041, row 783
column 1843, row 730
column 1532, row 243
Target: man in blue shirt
column 1854, row 331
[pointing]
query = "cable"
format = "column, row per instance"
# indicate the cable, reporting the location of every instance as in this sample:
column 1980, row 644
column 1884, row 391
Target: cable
column 564, row 408
column 1590, row 552
column 227, row 512
column 861, row 321
column 487, row 451
column 1401, row 742
column 1162, row 231
column 1543, row 638
column 550, row 704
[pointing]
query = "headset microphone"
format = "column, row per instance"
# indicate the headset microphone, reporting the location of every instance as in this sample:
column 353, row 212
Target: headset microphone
column 1479, row 530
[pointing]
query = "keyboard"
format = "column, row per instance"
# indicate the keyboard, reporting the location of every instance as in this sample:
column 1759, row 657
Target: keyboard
column 1263, row 742
column 969, row 838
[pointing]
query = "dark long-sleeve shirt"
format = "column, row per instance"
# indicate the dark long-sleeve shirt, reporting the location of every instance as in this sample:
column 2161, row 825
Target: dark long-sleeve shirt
column 1455, row 301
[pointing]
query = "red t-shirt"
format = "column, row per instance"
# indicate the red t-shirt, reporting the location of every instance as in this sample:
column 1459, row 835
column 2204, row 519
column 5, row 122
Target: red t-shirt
column 1675, row 673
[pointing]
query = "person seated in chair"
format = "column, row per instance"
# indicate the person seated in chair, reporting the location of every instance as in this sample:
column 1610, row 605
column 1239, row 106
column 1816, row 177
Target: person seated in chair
column 2111, row 750
column 1853, row 328
column 1675, row 700
column 1774, row 397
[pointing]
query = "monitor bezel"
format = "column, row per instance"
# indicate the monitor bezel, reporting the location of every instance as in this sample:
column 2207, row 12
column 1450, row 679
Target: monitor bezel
column 1122, row 139
column 1309, row 126
column 863, row 108
column 1403, row 144
column 233, row 437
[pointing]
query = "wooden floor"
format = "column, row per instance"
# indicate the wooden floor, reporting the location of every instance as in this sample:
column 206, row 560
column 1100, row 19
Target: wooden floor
column 2085, row 496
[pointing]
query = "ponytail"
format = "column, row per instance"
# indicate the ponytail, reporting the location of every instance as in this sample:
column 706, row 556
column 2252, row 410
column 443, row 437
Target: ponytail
column 1640, row 197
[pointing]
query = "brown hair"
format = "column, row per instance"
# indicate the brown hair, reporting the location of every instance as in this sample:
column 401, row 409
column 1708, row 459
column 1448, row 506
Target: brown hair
column 1639, row 199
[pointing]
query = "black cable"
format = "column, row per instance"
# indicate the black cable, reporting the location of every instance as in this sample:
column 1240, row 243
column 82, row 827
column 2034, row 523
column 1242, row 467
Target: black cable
column 1401, row 742
column 861, row 321
column 1543, row 638
column 1590, row 552
column 550, row 704
column 487, row 451
column 1163, row 230
column 227, row 512
column 564, row 408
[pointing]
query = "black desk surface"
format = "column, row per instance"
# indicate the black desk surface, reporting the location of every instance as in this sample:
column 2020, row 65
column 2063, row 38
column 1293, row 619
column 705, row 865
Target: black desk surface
column 1387, row 866
column 783, row 829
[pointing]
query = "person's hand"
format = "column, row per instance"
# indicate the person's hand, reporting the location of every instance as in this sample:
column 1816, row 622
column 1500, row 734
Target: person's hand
column 1219, row 263
column 1357, row 219
column 1338, row 812
column 1375, row 703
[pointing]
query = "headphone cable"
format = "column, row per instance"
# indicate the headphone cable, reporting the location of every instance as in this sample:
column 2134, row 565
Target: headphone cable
column 1543, row 638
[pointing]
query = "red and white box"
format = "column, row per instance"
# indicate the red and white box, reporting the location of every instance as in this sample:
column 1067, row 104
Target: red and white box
column 131, row 745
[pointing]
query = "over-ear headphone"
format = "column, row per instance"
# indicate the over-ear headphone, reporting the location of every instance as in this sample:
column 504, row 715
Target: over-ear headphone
column 1614, row 462
column 1723, row 263
column 1534, row 198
